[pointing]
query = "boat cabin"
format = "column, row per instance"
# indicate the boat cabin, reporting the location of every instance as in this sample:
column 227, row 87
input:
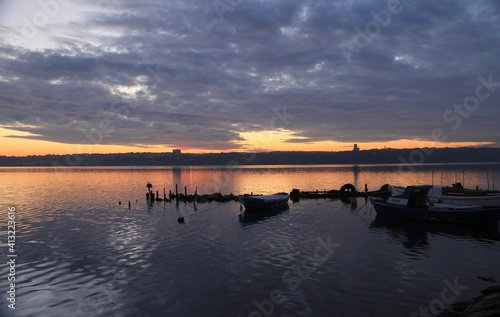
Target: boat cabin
column 413, row 197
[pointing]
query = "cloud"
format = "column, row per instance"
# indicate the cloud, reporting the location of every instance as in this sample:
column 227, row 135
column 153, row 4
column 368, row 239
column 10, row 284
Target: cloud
column 182, row 74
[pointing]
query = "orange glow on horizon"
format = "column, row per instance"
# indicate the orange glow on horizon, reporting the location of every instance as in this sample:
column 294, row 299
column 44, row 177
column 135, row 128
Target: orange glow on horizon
column 277, row 141
column 253, row 142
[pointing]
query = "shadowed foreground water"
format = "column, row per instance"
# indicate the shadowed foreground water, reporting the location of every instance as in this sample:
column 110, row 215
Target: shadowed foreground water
column 80, row 253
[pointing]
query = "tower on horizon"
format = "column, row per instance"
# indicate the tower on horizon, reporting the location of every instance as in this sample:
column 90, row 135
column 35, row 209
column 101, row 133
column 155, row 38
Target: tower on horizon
column 356, row 148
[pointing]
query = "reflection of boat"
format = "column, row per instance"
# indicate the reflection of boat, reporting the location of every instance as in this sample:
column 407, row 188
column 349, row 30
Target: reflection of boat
column 456, row 195
column 248, row 218
column 413, row 204
column 264, row 201
column 413, row 234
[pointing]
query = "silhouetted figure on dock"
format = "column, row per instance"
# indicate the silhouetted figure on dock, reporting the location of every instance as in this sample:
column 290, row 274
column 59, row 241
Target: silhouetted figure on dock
column 149, row 194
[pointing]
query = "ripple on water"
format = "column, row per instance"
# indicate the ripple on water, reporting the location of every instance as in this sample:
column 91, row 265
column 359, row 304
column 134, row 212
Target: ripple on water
column 89, row 256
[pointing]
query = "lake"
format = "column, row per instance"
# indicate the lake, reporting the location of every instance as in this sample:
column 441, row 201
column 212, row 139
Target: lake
column 78, row 252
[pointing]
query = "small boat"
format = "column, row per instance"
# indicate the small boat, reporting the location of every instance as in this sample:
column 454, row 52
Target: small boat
column 264, row 201
column 414, row 204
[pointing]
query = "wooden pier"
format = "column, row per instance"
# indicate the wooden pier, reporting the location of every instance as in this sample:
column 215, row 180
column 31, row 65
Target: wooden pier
column 346, row 191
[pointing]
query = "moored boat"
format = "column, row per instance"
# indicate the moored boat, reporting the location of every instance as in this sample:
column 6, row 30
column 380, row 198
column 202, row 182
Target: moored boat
column 264, row 201
column 455, row 195
column 413, row 203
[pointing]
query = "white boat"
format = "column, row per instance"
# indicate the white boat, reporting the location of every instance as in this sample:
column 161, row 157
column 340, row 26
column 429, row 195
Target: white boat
column 444, row 195
column 264, row 201
column 412, row 204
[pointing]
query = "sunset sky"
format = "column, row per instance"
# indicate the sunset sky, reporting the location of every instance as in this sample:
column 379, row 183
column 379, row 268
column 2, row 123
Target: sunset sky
column 243, row 75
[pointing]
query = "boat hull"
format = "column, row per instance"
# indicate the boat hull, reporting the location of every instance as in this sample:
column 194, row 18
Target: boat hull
column 461, row 215
column 265, row 202
column 485, row 201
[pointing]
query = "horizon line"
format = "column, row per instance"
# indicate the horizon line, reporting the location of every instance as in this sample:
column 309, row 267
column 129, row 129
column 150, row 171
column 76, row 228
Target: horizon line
column 255, row 152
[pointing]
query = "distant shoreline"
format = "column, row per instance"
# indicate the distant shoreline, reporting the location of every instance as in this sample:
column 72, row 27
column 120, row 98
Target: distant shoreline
column 262, row 165
column 380, row 156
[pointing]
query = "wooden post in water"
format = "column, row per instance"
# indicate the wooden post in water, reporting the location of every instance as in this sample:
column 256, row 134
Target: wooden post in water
column 164, row 194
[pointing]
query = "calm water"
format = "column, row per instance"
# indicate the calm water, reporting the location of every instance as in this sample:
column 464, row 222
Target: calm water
column 80, row 253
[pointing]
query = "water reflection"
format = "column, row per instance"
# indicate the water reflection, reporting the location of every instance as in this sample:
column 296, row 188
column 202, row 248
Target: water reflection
column 249, row 217
column 177, row 175
column 84, row 254
column 355, row 172
column 414, row 234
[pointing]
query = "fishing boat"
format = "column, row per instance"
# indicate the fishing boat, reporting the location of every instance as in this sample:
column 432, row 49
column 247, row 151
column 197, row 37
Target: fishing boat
column 414, row 204
column 456, row 195
column 264, row 201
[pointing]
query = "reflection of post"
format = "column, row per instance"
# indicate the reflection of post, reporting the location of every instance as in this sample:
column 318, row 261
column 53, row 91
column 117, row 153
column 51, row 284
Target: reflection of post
column 492, row 179
column 177, row 178
column 355, row 170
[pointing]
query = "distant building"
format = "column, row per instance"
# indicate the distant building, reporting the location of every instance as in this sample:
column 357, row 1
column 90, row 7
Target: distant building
column 356, row 148
column 176, row 152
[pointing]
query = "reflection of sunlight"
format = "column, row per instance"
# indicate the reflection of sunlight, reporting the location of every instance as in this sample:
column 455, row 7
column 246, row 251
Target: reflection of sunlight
column 133, row 243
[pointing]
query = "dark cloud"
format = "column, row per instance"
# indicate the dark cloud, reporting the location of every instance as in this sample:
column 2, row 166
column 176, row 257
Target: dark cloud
column 196, row 74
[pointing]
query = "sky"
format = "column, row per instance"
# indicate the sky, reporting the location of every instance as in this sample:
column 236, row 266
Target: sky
column 243, row 75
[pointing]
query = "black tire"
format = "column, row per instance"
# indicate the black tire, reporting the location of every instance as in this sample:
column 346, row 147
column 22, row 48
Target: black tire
column 348, row 188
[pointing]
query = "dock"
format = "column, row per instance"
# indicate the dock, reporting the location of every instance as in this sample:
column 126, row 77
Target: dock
column 346, row 191
column 297, row 194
